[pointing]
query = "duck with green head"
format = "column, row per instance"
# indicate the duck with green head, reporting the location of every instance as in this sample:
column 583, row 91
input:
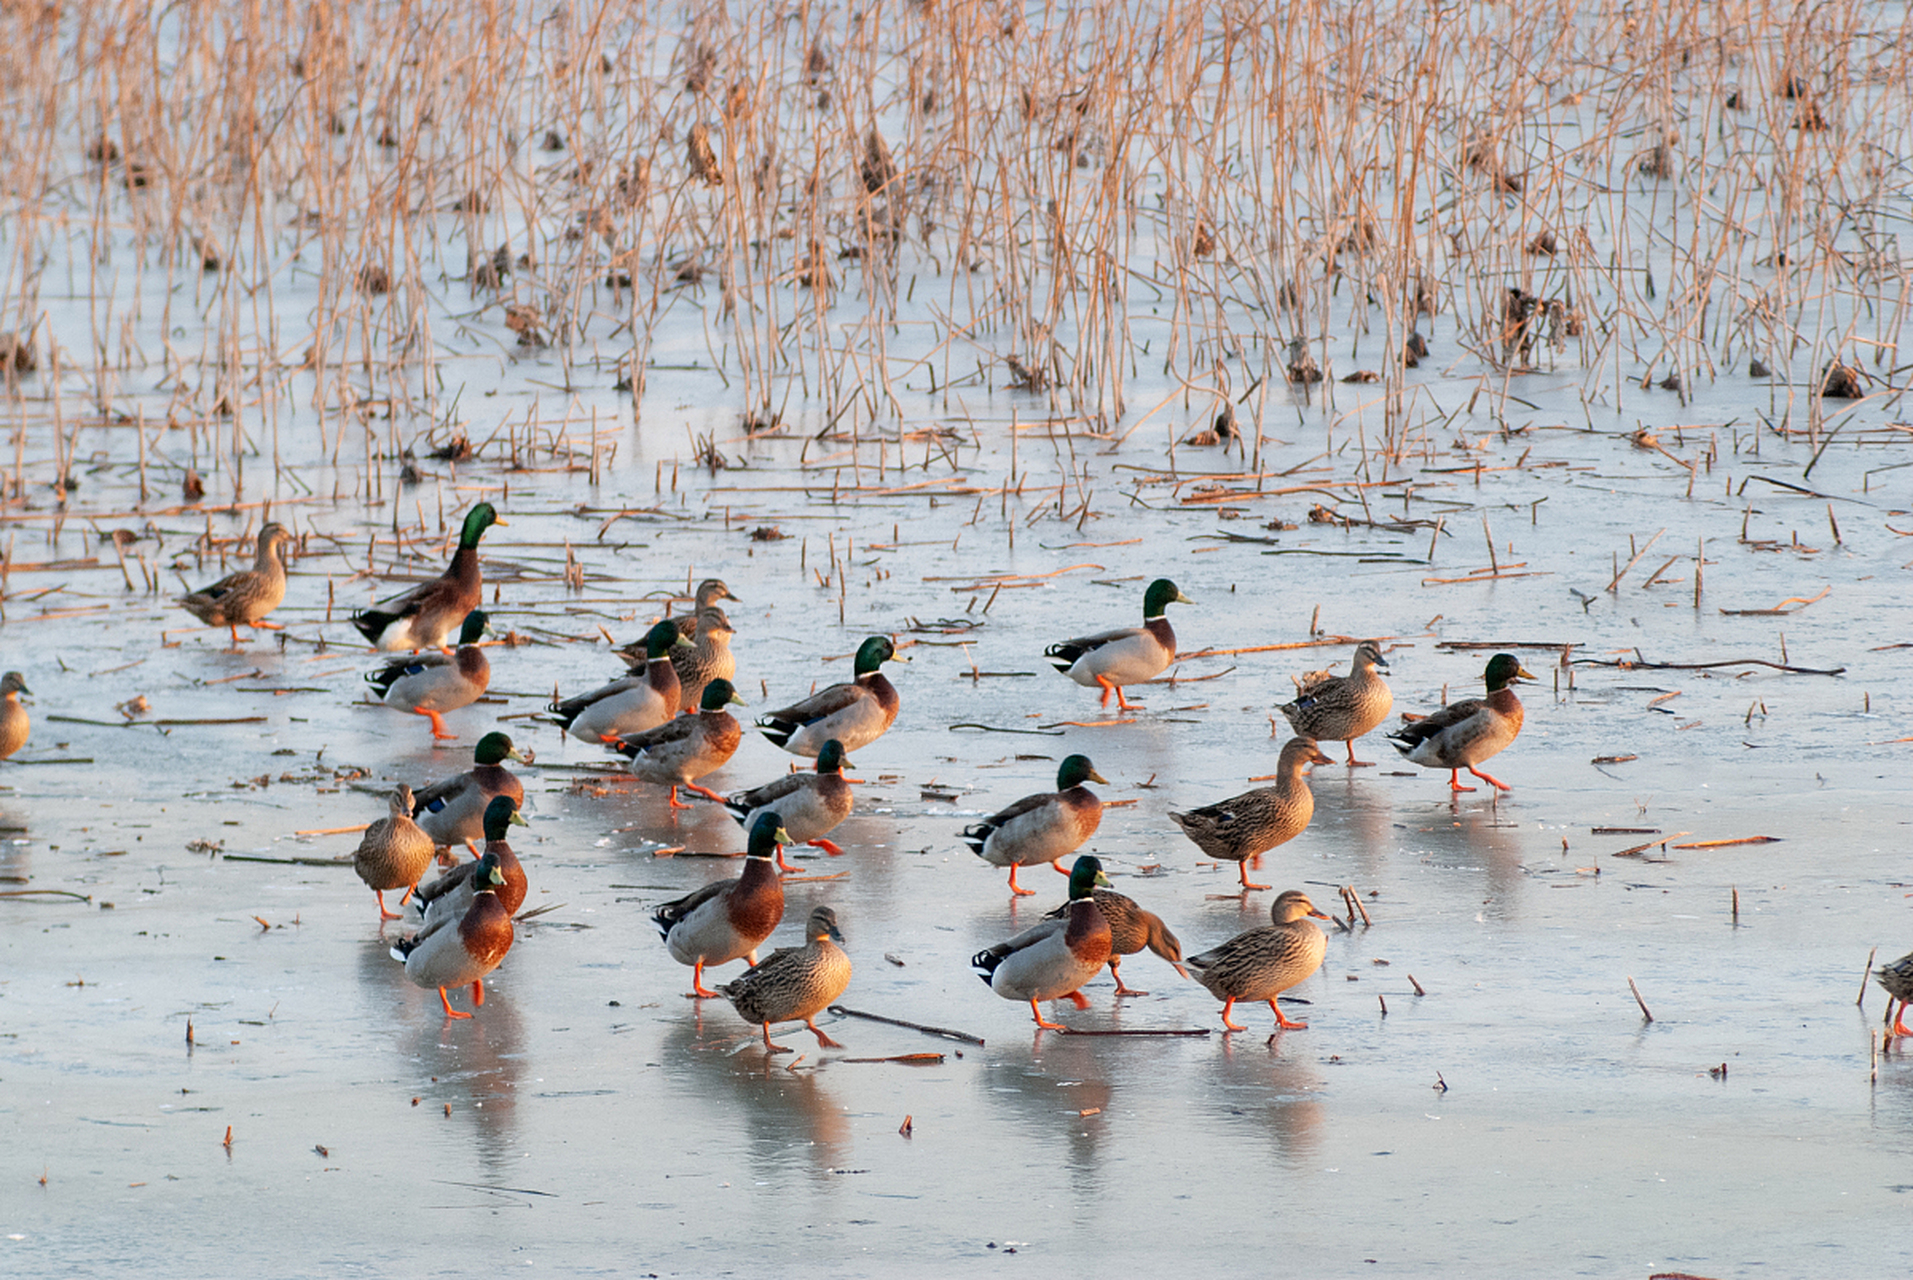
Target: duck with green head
column 643, row 700
column 1463, row 734
column 430, row 684
column 1263, row 963
column 810, row 804
column 246, row 597
column 1045, row 827
column 1052, row 960
column 422, row 617
column 453, row 951
column 453, row 811
column 1132, row 927
column 688, row 747
column 856, row 714
column 795, row 984
column 1128, row 655
column 451, row 893
column 729, row 919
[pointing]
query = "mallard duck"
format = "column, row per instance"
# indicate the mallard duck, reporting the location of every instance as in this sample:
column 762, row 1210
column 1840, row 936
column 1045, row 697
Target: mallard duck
column 422, row 617
column 1045, row 827
column 630, row 705
column 1129, row 655
column 1249, row 825
column 246, row 597
column 1343, row 708
column 709, row 592
column 1463, row 734
column 1264, row 962
column 451, row 893
column 1057, row 956
column 810, row 804
column 795, row 984
column 1131, row 928
column 455, row 950
column 15, row 724
column 453, row 811
column 708, row 658
column 855, row 714
column 1897, row 980
column 430, row 684
column 688, row 747
column 394, row 853
column 728, row 919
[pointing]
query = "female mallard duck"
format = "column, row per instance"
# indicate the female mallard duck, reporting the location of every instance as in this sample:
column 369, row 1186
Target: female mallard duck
column 15, row 724
column 1128, row 655
column 423, row 616
column 451, row 893
column 1897, row 979
column 1249, row 825
column 708, row 658
column 688, row 747
column 729, row 919
column 394, row 853
column 855, row 714
column 709, row 592
column 1056, row 957
column 430, row 684
column 1045, row 827
column 632, row 704
column 1343, row 708
column 1263, row 963
column 455, row 950
column 795, row 984
column 1131, row 928
column 453, row 811
column 810, row 804
column 1463, row 734
column 248, row 596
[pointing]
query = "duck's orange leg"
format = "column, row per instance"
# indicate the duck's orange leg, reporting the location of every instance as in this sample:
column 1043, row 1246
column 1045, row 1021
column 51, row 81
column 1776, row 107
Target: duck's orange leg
column 1899, row 1022
column 675, row 802
column 822, row 1039
column 1041, row 1021
column 827, row 846
column 698, row 990
column 1242, row 869
column 1226, row 1006
column 706, row 792
column 447, row 1002
column 1016, row 888
column 478, row 992
column 1058, row 867
column 781, row 864
column 439, row 731
column 234, row 628
column 1454, row 780
column 1076, row 998
column 385, row 915
column 1116, row 689
column 263, row 625
column 774, row 1048
column 1497, row 783
column 1353, row 763
column 1117, row 973
column 1283, row 1022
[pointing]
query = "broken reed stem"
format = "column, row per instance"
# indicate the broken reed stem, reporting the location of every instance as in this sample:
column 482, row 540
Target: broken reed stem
column 1860, row 1001
column 1637, row 1000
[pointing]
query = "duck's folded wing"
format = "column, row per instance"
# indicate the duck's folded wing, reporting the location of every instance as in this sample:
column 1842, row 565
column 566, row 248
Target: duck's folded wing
column 1075, row 648
column 1418, row 731
column 670, row 731
column 823, row 703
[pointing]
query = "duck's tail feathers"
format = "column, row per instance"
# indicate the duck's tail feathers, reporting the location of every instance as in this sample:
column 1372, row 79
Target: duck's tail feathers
column 985, row 962
column 976, row 836
column 1063, row 656
column 778, row 730
column 371, row 623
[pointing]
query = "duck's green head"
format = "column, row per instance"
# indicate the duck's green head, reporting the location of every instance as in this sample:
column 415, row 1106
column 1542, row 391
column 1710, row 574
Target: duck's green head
column 490, row 874
column 496, row 748
column 478, row 625
column 1075, row 771
column 874, row 652
column 719, row 694
column 766, row 834
column 500, row 816
column 477, row 520
column 1503, row 670
column 1161, row 594
column 831, row 758
column 1085, row 876
column 823, row 924
column 661, row 639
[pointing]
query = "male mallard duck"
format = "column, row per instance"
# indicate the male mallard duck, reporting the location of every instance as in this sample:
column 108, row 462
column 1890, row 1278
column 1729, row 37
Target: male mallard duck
column 14, row 721
column 688, row 747
column 422, row 616
column 709, row 592
column 1463, row 734
column 728, row 919
column 855, row 714
column 248, row 596
column 1129, row 655
column 1249, row 825
column 430, row 684
column 810, row 804
column 455, row 950
column 394, row 853
column 1264, row 962
column 453, row 811
column 1343, row 708
column 1131, row 928
column 1897, row 979
column 708, row 658
column 632, row 704
column 795, row 984
column 1045, row 827
column 1056, row 957
column 451, row 893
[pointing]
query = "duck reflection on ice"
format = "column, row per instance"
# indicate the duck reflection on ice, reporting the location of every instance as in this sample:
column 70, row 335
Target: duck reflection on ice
column 747, row 1100
column 1253, row 1084
column 1043, row 1098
